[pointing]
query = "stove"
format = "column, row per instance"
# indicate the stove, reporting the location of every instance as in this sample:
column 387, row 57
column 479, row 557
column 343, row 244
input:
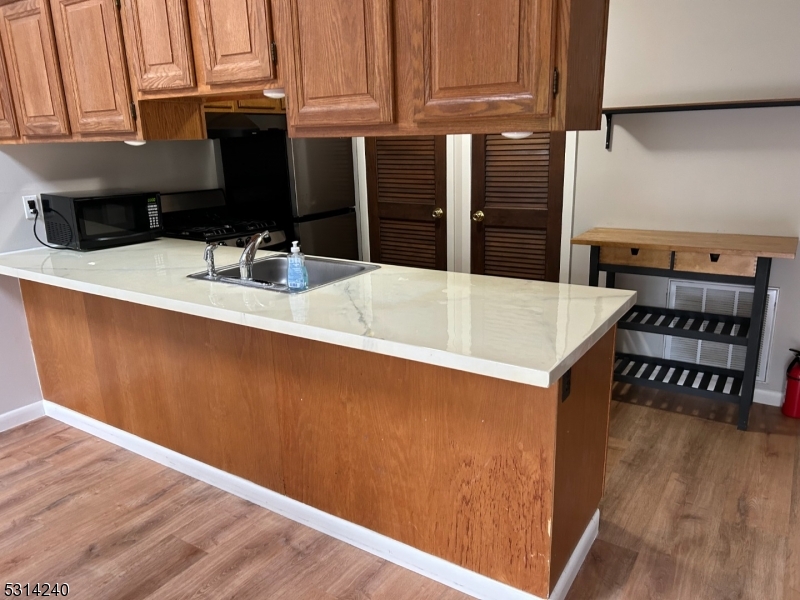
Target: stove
column 204, row 217
column 221, row 231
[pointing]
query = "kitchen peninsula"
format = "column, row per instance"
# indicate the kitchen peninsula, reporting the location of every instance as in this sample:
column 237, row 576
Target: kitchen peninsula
column 464, row 416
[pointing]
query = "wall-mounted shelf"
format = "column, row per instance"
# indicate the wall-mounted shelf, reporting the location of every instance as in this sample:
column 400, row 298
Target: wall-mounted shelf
column 662, row 108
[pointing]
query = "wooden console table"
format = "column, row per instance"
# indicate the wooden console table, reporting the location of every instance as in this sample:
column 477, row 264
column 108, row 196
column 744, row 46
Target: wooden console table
column 713, row 257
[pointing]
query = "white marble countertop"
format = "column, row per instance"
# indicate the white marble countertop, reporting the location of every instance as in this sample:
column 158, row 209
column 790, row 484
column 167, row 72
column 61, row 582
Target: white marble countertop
column 524, row 331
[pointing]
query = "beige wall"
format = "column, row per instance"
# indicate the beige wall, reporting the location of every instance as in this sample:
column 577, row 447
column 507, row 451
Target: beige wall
column 672, row 51
column 164, row 166
column 732, row 171
column 19, row 384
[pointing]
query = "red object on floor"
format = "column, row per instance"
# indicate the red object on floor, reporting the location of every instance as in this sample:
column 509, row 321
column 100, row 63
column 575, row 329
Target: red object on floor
column 791, row 404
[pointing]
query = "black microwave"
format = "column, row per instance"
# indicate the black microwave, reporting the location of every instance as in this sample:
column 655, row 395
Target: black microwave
column 94, row 220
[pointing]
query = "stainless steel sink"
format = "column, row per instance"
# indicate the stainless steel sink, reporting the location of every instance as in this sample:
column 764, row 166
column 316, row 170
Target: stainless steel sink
column 270, row 273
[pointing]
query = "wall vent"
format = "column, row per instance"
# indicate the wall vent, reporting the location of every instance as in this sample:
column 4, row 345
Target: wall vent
column 721, row 299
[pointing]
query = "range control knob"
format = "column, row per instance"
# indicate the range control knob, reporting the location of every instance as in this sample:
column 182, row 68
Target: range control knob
column 240, row 243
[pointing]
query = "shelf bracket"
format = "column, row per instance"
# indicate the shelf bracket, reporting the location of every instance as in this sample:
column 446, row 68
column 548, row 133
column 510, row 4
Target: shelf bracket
column 665, row 108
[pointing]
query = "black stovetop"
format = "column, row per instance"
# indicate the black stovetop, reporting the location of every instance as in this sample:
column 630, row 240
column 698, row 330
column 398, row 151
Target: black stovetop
column 212, row 225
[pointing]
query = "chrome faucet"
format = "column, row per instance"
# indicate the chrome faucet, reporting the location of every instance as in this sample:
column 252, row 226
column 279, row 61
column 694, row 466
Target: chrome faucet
column 208, row 256
column 249, row 255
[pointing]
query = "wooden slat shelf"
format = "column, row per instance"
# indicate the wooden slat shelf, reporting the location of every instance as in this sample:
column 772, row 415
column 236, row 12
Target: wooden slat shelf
column 675, row 376
column 689, row 324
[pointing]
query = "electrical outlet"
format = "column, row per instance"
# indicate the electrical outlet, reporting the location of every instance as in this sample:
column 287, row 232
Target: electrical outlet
column 31, row 206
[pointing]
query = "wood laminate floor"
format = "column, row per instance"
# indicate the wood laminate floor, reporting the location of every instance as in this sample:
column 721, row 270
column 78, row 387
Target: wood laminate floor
column 693, row 509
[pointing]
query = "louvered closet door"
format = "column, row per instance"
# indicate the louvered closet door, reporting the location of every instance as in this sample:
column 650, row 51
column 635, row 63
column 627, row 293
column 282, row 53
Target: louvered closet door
column 406, row 184
column 517, row 188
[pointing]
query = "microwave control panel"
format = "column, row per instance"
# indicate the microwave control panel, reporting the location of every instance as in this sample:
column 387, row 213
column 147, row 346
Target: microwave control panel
column 153, row 213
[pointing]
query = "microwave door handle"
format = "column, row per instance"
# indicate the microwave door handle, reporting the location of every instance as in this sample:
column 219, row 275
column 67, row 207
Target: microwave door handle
column 120, row 237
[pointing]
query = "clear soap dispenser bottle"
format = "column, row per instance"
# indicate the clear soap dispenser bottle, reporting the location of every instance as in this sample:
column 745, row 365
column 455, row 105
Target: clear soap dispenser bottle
column 297, row 275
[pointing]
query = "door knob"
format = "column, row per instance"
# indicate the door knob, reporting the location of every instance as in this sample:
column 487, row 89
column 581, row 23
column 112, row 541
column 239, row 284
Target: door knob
column 478, row 216
column 437, row 213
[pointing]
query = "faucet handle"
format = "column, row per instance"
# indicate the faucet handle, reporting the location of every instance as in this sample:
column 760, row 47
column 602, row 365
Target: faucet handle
column 264, row 237
column 208, row 256
column 249, row 255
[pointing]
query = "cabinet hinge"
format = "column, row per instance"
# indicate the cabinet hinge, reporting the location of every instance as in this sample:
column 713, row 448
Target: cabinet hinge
column 555, row 82
column 133, row 110
column 274, row 53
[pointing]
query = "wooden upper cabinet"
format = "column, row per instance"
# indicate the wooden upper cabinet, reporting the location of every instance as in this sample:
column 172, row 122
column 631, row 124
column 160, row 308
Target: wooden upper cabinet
column 158, row 44
column 342, row 62
column 8, row 124
column 485, row 58
column 234, row 38
column 26, row 34
column 92, row 64
column 432, row 67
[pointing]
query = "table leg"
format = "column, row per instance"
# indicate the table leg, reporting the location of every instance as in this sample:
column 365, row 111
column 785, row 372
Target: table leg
column 754, row 342
column 594, row 262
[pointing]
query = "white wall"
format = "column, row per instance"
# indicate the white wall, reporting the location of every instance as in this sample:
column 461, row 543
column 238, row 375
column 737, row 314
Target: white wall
column 459, row 202
column 19, row 384
column 676, row 51
column 735, row 171
column 37, row 168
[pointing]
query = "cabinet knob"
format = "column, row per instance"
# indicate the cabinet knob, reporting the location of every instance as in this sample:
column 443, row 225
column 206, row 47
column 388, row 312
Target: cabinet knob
column 437, row 213
column 478, row 216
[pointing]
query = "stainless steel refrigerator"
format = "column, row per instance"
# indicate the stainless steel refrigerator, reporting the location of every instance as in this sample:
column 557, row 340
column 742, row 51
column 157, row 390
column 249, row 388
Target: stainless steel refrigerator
column 323, row 196
column 305, row 184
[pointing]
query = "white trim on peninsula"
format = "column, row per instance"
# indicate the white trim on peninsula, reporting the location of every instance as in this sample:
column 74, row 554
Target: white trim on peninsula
column 430, row 566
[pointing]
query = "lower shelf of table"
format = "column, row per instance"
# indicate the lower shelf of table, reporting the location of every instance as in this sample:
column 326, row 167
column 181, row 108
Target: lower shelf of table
column 684, row 378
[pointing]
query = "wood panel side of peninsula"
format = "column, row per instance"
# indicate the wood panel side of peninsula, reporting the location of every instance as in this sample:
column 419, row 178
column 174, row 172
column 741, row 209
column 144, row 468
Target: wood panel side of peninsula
column 498, row 477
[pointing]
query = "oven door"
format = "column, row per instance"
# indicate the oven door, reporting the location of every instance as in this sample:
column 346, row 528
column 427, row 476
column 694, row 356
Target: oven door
column 118, row 220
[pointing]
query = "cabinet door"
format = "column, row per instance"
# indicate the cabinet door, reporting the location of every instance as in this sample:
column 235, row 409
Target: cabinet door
column 220, row 106
column 517, row 188
column 261, row 105
column 30, row 52
column 8, row 124
column 159, row 49
column 235, row 37
column 91, row 56
column 406, row 198
column 485, row 58
column 343, row 62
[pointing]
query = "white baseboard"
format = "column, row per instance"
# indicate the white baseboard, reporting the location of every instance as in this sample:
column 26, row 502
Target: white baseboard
column 21, row 415
column 575, row 561
column 768, row 397
column 430, row 566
